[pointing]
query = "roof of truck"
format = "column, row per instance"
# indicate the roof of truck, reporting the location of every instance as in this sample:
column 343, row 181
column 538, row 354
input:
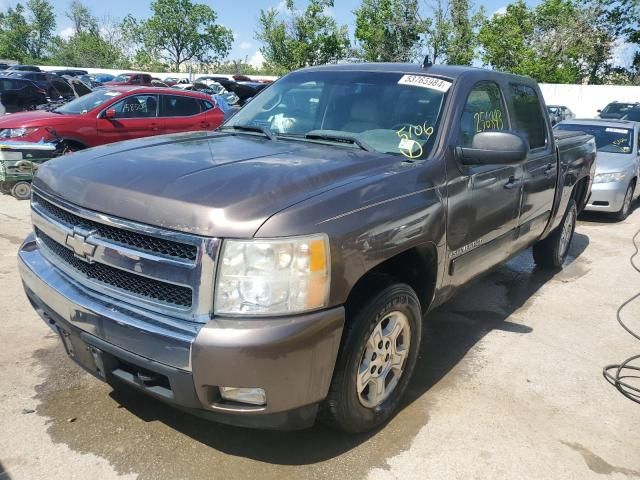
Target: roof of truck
column 605, row 122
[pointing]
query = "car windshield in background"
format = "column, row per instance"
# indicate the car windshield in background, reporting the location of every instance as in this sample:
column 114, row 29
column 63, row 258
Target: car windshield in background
column 122, row 78
column 632, row 115
column 87, row 102
column 618, row 108
column 386, row 112
column 608, row 139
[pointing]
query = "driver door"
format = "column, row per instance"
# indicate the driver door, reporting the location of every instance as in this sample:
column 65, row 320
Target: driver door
column 136, row 117
column 484, row 200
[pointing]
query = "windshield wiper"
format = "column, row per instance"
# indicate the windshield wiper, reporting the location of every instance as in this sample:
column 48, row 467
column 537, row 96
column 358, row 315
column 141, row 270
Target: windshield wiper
column 251, row 128
column 338, row 136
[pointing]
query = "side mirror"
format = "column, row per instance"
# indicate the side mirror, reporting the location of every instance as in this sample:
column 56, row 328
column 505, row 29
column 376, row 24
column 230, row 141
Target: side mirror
column 494, row 148
column 109, row 113
column 599, row 110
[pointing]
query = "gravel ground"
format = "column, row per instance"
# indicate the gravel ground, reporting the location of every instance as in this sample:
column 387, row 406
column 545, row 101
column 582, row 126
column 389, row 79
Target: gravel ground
column 508, row 385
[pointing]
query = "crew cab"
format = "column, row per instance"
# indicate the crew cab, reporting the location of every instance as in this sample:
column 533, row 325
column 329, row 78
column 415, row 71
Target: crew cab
column 113, row 114
column 140, row 79
column 282, row 266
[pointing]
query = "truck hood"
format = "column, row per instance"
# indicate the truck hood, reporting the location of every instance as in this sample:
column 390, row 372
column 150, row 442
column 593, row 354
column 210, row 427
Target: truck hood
column 207, row 183
column 607, row 162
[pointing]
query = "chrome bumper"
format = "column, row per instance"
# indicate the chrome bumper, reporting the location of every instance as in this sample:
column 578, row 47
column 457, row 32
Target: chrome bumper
column 291, row 358
column 607, row 197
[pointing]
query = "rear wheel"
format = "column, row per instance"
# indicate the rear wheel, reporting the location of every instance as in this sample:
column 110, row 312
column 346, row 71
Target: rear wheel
column 21, row 190
column 553, row 250
column 376, row 360
column 624, row 211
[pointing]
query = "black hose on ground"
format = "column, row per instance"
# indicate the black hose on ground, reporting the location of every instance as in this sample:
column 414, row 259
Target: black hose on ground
column 619, row 375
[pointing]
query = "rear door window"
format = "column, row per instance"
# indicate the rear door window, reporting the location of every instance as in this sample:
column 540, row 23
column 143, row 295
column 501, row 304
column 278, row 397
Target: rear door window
column 178, row 106
column 527, row 115
column 485, row 110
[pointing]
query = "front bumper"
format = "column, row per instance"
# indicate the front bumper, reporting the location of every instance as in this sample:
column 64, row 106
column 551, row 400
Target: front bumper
column 607, row 197
column 184, row 363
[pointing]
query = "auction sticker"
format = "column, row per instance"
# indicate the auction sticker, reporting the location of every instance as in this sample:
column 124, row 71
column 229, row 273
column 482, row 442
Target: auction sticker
column 617, row 130
column 425, row 82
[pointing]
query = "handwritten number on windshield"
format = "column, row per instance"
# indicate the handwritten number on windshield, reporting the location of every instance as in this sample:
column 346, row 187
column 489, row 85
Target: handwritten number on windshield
column 409, row 136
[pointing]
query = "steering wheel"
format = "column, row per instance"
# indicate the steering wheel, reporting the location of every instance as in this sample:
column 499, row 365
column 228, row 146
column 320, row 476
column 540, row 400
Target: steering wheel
column 275, row 101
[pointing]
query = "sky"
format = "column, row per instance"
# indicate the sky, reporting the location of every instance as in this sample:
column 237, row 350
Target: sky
column 239, row 15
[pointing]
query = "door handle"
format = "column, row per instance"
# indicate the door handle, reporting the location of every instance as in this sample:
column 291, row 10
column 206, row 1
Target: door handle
column 154, row 127
column 550, row 168
column 512, row 183
column 204, row 124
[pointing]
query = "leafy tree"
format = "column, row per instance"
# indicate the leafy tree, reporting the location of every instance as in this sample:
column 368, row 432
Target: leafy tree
column 460, row 48
column 180, row 31
column 41, row 26
column 88, row 49
column 14, row 34
column 81, row 18
column 437, row 32
column 296, row 39
column 388, row 30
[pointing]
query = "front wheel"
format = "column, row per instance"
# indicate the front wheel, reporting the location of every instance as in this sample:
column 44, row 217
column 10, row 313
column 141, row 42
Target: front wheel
column 376, row 360
column 553, row 250
column 624, row 211
column 21, row 190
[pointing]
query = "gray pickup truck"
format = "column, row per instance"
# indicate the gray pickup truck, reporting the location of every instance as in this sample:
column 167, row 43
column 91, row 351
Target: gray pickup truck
column 279, row 269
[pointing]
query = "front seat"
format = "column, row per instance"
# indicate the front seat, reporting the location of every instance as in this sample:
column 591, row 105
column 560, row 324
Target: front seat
column 363, row 113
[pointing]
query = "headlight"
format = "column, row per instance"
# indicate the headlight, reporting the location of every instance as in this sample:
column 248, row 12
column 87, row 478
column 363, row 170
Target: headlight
column 16, row 132
column 609, row 177
column 272, row 277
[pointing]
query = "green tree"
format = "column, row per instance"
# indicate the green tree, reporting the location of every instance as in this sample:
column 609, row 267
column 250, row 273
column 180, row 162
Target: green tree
column 295, row 39
column 81, row 18
column 26, row 33
column 88, row 49
column 437, row 31
column 180, row 31
column 41, row 27
column 388, row 30
column 462, row 41
column 14, row 34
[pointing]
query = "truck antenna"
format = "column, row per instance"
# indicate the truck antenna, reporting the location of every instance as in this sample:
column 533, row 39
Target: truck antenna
column 426, row 62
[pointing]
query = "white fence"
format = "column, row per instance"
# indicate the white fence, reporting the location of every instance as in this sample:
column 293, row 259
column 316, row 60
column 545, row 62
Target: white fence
column 586, row 100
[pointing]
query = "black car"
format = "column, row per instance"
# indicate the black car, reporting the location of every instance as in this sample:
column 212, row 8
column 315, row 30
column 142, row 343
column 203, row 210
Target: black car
column 72, row 72
column 55, row 86
column 18, row 94
column 4, row 66
column 24, row 68
column 244, row 90
column 616, row 110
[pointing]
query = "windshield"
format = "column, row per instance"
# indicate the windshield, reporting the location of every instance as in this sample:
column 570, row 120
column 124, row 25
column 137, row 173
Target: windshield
column 632, row 115
column 386, row 112
column 87, row 102
column 618, row 107
column 608, row 139
column 122, row 78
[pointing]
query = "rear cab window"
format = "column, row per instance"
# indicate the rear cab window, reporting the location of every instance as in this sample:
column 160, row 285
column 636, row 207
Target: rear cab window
column 527, row 117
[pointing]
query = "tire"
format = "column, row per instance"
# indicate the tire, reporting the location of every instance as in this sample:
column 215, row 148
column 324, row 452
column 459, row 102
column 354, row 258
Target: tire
column 21, row 190
column 348, row 409
column 625, row 210
column 553, row 250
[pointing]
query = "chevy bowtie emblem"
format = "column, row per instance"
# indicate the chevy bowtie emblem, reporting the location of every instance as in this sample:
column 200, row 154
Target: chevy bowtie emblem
column 81, row 247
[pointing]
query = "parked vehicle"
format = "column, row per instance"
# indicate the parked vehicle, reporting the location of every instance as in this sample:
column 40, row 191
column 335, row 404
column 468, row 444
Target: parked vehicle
column 102, row 77
column 156, row 82
column 632, row 115
column 4, row 66
column 558, row 113
column 70, row 72
column 171, row 81
column 112, row 114
column 616, row 110
column 618, row 165
column 141, row 79
column 18, row 163
column 56, row 87
column 23, row 68
column 18, row 94
column 89, row 81
column 284, row 263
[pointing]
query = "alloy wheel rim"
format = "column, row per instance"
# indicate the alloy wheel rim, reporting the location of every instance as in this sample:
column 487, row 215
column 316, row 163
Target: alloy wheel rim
column 383, row 361
column 567, row 230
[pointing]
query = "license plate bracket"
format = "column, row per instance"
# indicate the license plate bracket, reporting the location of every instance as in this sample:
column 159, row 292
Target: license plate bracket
column 87, row 356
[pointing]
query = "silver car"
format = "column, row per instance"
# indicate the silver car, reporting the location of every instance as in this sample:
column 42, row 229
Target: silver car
column 617, row 163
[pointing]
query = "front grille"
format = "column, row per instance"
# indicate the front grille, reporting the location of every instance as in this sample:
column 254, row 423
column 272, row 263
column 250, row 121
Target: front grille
column 114, row 277
column 123, row 237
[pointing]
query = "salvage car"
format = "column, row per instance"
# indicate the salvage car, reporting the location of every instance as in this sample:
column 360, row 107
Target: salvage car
column 18, row 94
column 280, row 268
column 113, row 114
column 618, row 165
column 141, row 79
column 616, row 110
column 18, row 163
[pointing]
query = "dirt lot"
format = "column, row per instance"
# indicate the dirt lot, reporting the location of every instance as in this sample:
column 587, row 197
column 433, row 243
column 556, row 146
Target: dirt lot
column 508, row 385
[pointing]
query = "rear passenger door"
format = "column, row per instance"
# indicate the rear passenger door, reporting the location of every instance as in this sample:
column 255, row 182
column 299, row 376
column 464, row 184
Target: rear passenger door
column 180, row 113
column 540, row 168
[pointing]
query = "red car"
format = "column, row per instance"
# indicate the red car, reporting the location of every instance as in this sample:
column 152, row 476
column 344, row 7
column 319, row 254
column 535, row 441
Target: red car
column 139, row 79
column 112, row 114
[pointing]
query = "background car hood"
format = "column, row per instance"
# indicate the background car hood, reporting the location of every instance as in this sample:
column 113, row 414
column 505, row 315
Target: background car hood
column 32, row 119
column 205, row 183
column 607, row 162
